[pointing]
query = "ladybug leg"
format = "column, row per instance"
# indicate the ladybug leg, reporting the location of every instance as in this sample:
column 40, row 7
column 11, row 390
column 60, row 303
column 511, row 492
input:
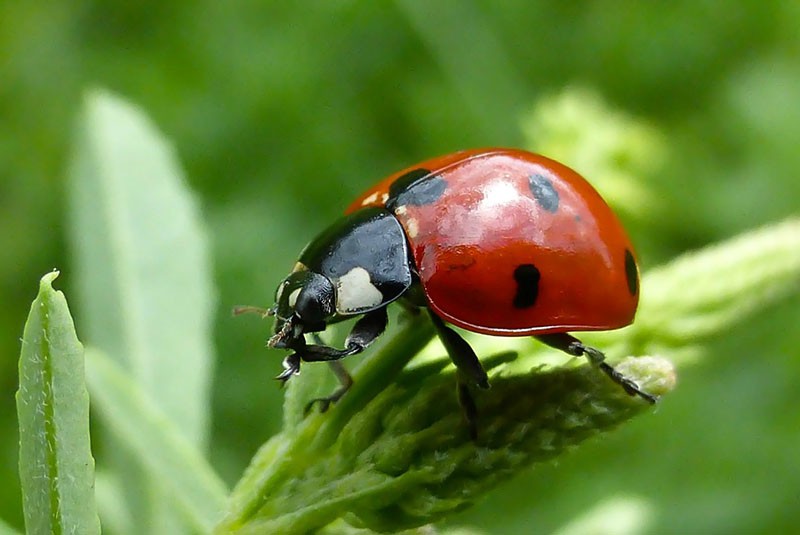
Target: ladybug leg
column 572, row 346
column 469, row 369
column 467, row 404
column 461, row 353
column 364, row 332
column 345, row 382
column 291, row 366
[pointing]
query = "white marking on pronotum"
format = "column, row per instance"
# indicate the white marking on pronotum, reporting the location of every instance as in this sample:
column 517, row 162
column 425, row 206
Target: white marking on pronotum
column 369, row 200
column 293, row 297
column 279, row 293
column 356, row 292
column 384, row 198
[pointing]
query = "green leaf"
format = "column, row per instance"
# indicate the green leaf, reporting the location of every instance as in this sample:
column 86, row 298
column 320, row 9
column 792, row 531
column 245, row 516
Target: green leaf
column 155, row 441
column 278, row 460
column 406, row 459
column 55, row 460
column 708, row 291
column 619, row 515
column 317, row 382
column 396, row 453
column 5, row 529
column 144, row 276
column 111, row 502
column 143, row 267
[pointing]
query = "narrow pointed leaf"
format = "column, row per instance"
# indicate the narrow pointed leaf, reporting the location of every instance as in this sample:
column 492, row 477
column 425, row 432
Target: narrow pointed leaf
column 729, row 281
column 143, row 265
column 144, row 277
column 156, row 442
column 55, row 461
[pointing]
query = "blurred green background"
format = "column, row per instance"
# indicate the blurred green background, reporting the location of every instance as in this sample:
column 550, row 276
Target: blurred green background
column 283, row 112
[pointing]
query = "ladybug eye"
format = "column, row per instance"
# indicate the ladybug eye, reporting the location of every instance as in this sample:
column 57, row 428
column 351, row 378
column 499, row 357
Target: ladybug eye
column 287, row 293
column 280, row 289
column 315, row 301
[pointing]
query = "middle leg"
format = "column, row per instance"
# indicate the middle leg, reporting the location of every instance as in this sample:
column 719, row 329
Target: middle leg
column 468, row 370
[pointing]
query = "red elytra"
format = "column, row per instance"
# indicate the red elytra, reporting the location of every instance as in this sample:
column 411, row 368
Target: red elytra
column 497, row 213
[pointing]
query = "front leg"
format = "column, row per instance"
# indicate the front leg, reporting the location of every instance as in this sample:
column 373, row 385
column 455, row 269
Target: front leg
column 364, row 332
column 291, row 367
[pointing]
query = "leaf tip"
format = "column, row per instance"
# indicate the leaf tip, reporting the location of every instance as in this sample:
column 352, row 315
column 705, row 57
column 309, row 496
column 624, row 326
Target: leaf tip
column 46, row 282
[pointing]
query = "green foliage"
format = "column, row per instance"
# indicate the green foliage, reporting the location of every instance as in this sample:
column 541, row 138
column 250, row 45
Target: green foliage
column 393, row 454
column 156, row 442
column 144, row 276
column 141, row 260
column 405, row 459
column 682, row 114
column 55, row 461
column 730, row 281
column 616, row 150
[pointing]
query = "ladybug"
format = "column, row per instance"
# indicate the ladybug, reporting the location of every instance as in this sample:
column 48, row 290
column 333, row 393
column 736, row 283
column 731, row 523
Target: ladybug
column 495, row 241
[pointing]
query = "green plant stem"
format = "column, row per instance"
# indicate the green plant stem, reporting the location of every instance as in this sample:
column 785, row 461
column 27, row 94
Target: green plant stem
column 406, row 459
column 280, row 458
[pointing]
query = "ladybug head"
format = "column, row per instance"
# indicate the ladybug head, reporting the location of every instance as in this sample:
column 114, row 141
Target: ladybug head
column 304, row 302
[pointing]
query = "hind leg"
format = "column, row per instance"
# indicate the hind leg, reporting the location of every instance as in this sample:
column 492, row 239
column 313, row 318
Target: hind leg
column 572, row 346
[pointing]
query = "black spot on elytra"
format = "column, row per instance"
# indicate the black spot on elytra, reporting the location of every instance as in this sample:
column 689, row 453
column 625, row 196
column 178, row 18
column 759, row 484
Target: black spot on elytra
column 631, row 272
column 544, row 192
column 527, row 277
column 417, row 188
column 403, row 182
